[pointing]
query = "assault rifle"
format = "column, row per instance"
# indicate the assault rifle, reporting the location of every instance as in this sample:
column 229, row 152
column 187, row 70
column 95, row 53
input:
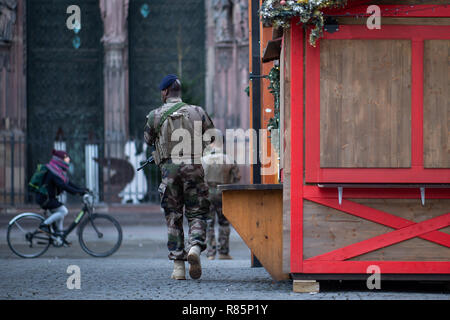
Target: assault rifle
column 146, row 162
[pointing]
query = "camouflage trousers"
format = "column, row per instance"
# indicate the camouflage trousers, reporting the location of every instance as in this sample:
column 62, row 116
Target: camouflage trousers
column 215, row 198
column 183, row 187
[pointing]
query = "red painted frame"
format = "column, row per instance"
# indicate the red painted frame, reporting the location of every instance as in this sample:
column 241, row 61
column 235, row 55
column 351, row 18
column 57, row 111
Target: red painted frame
column 416, row 173
column 334, row 262
column 410, row 11
column 297, row 148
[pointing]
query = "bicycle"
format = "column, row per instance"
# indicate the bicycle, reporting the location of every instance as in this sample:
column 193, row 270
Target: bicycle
column 27, row 241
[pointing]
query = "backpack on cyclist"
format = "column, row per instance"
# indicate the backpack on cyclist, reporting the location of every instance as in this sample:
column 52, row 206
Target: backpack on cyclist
column 36, row 183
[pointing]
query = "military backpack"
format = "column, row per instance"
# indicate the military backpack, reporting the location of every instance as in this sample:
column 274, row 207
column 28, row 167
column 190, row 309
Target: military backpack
column 172, row 144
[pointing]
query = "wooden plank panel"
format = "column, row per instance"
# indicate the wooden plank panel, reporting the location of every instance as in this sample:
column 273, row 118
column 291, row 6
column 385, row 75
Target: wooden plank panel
column 257, row 216
column 411, row 210
column 327, row 229
column 409, row 250
column 365, row 94
column 388, row 239
column 286, row 145
column 381, row 217
column 436, row 120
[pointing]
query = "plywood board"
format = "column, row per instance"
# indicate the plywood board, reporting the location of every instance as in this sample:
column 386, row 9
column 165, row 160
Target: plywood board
column 257, row 216
column 436, row 121
column 286, row 143
column 326, row 229
column 365, row 103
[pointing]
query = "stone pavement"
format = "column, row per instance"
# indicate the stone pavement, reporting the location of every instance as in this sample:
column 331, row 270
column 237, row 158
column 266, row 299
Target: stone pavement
column 141, row 270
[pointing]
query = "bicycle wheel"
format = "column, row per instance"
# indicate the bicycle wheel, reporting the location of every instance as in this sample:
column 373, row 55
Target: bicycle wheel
column 23, row 236
column 100, row 235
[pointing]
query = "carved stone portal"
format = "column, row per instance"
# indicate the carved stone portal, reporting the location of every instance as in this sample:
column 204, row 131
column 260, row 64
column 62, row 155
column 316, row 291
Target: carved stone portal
column 222, row 20
column 230, row 71
column 114, row 15
column 228, row 66
column 7, row 19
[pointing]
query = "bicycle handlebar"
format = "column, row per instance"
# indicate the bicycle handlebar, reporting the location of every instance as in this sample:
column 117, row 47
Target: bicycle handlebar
column 88, row 198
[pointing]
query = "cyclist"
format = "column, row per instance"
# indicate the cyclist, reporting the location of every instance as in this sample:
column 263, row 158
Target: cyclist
column 56, row 181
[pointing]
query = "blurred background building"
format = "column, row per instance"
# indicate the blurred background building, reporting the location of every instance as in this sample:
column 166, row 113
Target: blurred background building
column 88, row 89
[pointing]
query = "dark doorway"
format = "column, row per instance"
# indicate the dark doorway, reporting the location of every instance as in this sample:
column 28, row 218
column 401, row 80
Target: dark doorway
column 164, row 37
column 64, row 81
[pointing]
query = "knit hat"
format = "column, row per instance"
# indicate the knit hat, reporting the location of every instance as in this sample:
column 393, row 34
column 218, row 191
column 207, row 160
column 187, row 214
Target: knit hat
column 60, row 154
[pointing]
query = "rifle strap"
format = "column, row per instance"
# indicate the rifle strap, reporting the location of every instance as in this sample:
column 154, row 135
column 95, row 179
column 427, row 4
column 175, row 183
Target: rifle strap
column 166, row 114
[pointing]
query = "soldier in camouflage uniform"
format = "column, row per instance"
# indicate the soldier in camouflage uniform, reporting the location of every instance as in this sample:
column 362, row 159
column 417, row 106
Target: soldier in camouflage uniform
column 183, row 183
column 219, row 169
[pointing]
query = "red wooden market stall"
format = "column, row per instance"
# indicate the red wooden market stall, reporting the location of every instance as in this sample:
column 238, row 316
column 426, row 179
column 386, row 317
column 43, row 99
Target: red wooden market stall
column 340, row 187
column 365, row 156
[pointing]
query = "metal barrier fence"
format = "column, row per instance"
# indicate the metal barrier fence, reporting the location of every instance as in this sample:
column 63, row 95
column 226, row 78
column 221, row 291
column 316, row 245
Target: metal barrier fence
column 108, row 167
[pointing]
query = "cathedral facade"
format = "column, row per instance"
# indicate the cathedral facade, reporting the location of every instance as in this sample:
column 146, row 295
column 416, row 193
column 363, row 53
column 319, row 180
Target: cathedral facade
column 93, row 84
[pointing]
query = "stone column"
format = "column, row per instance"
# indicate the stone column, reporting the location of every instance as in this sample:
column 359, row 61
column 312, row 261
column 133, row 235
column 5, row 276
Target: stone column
column 115, row 40
column 228, row 66
column 223, row 62
column 12, row 67
column 210, row 60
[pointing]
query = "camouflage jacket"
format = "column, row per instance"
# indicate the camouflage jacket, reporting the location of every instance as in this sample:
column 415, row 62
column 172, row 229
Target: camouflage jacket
column 219, row 168
column 154, row 134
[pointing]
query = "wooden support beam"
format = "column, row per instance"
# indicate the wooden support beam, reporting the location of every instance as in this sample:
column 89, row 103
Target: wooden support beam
column 257, row 216
column 305, row 286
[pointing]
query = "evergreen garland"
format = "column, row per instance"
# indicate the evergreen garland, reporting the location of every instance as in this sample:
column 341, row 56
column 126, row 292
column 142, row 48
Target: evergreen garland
column 274, row 88
column 280, row 12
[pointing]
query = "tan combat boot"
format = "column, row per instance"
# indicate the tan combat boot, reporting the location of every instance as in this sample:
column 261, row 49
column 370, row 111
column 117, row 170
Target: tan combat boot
column 224, row 256
column 179, row 272
column 195, row 268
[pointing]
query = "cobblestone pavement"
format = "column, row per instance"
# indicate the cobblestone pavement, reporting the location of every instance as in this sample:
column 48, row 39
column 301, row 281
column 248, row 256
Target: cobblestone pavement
column 141, row 270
